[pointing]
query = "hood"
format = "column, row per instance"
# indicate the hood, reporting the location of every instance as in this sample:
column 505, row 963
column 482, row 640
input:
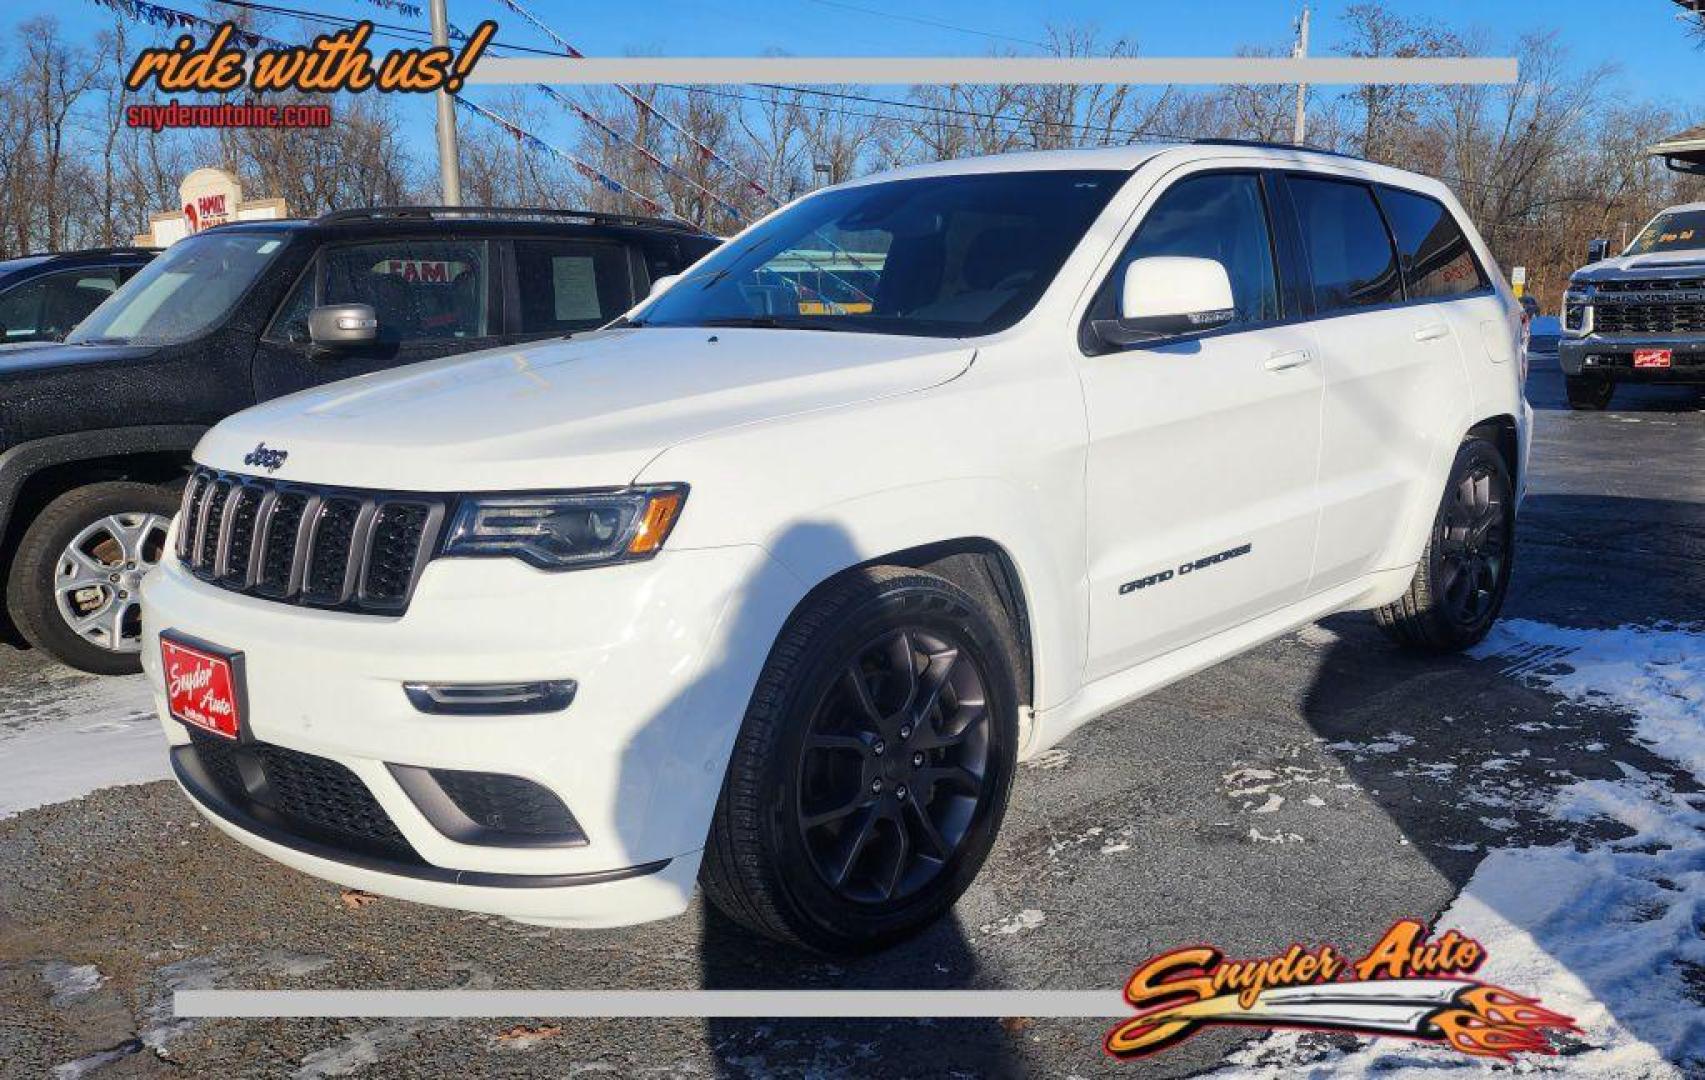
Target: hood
column 27, row 356
column 586, row 412
column 1656, row 264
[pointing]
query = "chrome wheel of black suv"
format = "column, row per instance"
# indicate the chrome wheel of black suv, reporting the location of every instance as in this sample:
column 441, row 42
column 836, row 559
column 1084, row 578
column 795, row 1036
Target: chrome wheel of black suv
column 73, row 587
column 872, row 771
column 1464, row 573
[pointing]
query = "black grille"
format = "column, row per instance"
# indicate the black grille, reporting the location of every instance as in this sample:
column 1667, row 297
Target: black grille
column 330, row 547
column 392, row 551
column 1678, row 318
column 1651, row 285
column 508, row 804
column 312, row 797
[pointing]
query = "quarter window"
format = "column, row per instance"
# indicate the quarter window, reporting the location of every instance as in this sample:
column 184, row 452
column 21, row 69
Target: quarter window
column 1438, row 262
column 1349, row 251
column 1219, row 216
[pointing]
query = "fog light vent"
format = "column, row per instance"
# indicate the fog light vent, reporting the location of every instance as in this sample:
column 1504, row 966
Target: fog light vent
column 491, row 699
column 491, row 809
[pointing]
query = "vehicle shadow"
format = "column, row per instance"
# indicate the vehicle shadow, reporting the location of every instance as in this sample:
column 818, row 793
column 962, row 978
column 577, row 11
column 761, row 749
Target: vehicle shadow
column 732, row 958
column 1545, row 393
column 1465, row 757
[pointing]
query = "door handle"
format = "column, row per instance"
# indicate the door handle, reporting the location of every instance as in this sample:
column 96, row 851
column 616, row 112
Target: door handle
column 1432, row 332
column 1285, row 360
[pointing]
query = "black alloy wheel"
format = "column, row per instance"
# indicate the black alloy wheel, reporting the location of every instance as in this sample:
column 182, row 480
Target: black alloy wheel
column 1462, row 578
column 893, row 766
column 872, row 768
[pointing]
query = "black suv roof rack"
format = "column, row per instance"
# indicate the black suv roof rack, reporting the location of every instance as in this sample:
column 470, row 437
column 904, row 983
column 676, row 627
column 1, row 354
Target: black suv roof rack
column 1269, row 144
column 375, row 213
column 120, row 249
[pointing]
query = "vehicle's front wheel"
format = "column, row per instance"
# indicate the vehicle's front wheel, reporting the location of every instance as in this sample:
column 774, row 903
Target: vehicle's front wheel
column 73, row 586
column 1459, row 585
column 872, row 769
column 1588, row 391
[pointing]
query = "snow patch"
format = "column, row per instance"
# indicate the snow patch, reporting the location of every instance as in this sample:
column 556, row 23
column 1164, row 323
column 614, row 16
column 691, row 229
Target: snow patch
column 83, row 735
column 1028, row 919
column 1607, row 933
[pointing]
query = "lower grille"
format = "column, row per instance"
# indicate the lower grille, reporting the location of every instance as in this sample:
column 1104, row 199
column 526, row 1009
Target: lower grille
column 313, row 797
column 305, row 544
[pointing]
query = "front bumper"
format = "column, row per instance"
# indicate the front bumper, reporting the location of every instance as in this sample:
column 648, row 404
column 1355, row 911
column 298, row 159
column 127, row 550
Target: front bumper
column 1612, row 357
column 665, row 653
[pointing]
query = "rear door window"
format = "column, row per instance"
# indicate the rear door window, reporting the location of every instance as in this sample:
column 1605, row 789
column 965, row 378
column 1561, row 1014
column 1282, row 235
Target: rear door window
column 1350, row 256
column 568, row 285
column 1438, row 262
column 423, row 291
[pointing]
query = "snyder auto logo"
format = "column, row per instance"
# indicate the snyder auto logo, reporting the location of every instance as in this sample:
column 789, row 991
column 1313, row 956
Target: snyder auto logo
column 1406, row 986
column 265, row 457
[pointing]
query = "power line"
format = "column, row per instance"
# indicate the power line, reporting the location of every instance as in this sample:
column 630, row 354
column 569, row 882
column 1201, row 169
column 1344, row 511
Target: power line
column 922, row 21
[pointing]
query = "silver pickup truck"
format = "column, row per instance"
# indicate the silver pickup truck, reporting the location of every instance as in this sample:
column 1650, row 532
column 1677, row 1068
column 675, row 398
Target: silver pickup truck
column 1638, row 317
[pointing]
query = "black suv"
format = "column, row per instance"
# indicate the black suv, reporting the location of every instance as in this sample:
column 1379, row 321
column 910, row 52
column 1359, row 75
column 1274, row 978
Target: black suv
column 96, row 433
column 43, row 297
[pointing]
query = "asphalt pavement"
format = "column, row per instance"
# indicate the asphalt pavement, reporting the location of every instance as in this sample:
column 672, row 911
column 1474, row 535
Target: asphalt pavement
column 1240, row 807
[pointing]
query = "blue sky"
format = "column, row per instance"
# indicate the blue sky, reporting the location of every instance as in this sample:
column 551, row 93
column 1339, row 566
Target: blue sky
column 1643, row 38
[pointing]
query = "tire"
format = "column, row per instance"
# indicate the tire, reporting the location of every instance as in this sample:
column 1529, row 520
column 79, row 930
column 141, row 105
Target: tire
column 1588, row 392
column 118, row 529
column 1464, row 573
column 815, row 748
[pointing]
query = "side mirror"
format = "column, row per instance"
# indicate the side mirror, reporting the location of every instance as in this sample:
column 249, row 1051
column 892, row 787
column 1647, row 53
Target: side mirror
column 1598, row 250
column 662, row 284
column 342, row 326
column 1169, row 297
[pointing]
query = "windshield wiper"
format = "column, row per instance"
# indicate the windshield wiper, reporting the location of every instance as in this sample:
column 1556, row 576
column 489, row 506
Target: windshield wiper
column 766, row 322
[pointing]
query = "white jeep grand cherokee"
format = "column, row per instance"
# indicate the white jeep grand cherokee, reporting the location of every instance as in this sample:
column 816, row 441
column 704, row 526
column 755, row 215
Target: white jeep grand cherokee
column 771, row 584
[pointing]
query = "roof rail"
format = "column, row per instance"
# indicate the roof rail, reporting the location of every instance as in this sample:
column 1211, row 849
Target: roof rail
column 506, row 213
column 119, row 249
column 1268, row 144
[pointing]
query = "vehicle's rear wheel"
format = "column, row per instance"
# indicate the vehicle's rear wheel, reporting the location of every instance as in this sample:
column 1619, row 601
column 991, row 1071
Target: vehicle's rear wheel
column 73, row 587
column 1588, row 391
column 872, row 770
column 1462, row 577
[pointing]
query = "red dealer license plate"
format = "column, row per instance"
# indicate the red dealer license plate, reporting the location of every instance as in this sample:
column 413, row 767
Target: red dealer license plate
column 203, row 686
column 1653, row 357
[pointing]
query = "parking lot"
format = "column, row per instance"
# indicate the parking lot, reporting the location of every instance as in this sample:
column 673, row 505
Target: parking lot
column 1313, row 790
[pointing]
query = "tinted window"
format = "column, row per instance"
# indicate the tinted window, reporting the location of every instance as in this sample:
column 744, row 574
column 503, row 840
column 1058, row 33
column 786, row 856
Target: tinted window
column 48, row 307
column 1220, row 217
column 952, row 256
column 1437, row 261
column 1349, row 252
column 569, row 285
column 421, row 290
column 291, row 322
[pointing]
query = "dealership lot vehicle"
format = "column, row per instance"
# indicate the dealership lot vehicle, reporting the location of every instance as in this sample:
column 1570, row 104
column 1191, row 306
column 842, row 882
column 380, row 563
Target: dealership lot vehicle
column 44, row 297
column 814, row 580
column 1639, row 317
column 95, row 433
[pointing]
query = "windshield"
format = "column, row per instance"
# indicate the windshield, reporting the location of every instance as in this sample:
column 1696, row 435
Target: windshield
column 951, row 256
column 1679, row 230
column 185, row 291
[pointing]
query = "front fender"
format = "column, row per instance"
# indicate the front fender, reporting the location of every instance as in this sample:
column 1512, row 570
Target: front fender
column 24, row 460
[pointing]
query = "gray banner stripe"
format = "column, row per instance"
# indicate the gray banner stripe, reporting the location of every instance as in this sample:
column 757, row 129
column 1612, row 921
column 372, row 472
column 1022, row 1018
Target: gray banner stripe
column 817, row 1004
column 1249, row 70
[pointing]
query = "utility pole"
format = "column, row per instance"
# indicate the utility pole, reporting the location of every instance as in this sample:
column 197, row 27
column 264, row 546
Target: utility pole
column 1301, row 53
column 449, row 166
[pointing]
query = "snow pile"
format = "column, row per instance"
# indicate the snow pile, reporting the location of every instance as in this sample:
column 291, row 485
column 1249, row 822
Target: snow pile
column 1609, row 933
column 74, row 734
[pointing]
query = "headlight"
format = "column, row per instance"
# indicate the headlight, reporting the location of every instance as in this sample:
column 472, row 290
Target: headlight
column 567, row 530
column 1577, row 311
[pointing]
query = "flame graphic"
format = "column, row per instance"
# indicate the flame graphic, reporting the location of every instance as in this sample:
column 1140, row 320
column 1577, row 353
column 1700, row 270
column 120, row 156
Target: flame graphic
column 1497, row 1023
